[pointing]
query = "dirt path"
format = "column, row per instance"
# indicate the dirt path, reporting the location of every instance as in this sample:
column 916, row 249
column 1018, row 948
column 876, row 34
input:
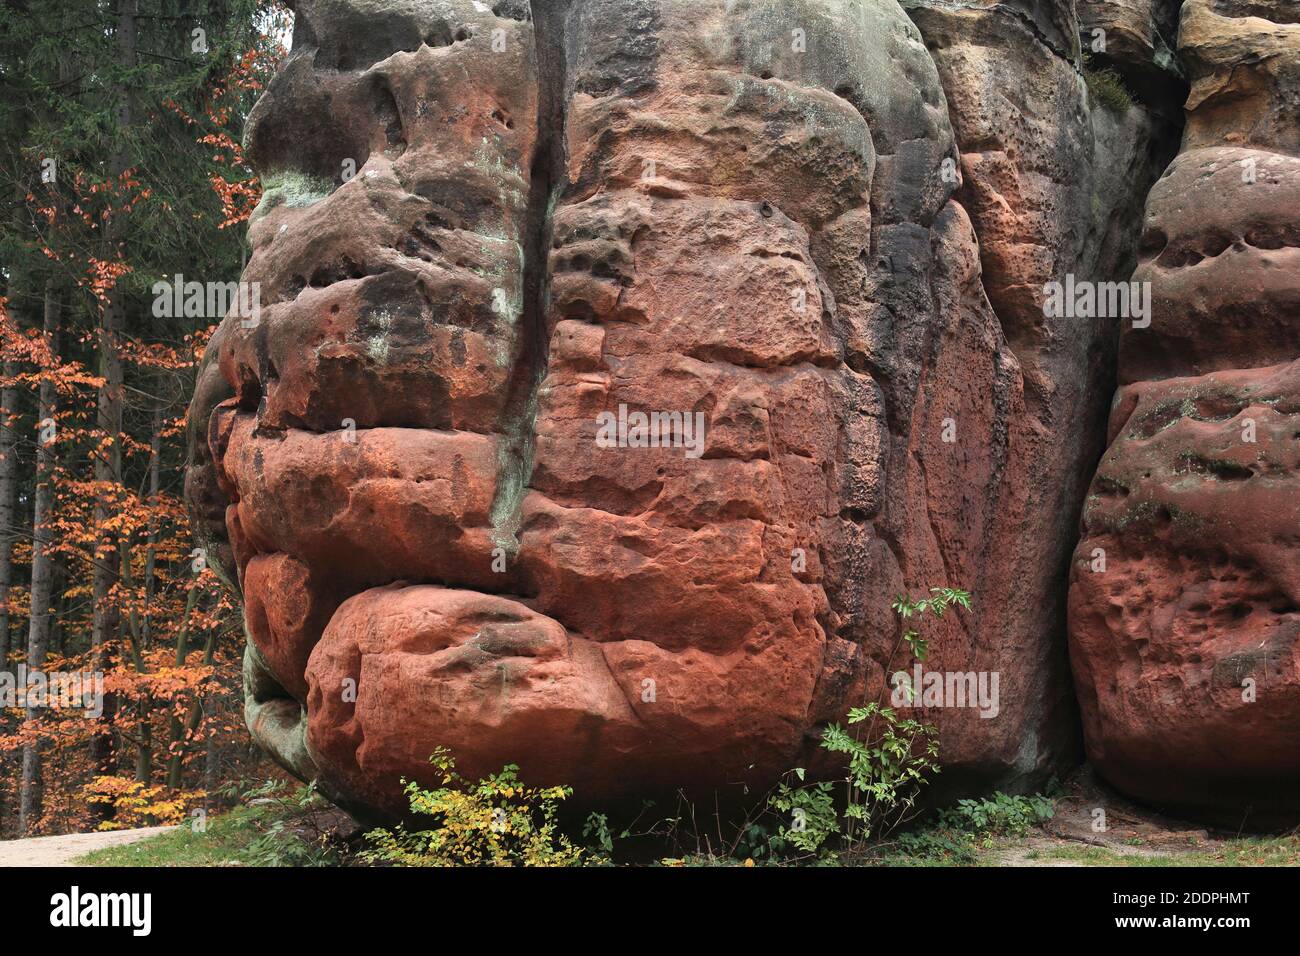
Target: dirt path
column 1090, row 814
column 62, row 850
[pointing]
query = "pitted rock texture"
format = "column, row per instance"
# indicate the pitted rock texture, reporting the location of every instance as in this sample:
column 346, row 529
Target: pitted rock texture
column 1221, row 249
column 1185, row 589
column 1184, row 641
column 767, row 214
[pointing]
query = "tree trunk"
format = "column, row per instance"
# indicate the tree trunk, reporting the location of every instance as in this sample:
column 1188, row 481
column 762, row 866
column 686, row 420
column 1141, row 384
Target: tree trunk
column 106, row 617
column 108, row 463
column 151, row 550
column 131, row 635
column 8, row 527
column 180, row 731
column 58, row 633
column 8, row 495
column 17, row 288
column 38, row 635
column 144, row 638
column 212, row 752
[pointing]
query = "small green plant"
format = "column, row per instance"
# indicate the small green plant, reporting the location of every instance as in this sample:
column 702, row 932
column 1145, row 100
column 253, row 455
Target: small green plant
column 597, row 829
column 1000, row 814
column 906, row 608
column 495, row 822
column 1106, row 87
column 886, row 770
column 810, row 810
column 292, row 837
column 932, row 845
column 889, row 760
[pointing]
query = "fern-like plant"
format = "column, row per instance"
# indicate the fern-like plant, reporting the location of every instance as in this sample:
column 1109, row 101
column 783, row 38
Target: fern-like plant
column 889, row 760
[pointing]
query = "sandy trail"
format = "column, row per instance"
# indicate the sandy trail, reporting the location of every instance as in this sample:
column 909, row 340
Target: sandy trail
column 62, row 850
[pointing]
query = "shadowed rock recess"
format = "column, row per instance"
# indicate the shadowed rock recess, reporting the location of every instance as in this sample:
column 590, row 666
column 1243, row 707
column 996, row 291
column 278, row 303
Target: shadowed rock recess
column 822, row 230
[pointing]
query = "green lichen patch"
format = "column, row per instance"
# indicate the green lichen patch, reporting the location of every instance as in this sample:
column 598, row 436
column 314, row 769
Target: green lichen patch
column 291, row 188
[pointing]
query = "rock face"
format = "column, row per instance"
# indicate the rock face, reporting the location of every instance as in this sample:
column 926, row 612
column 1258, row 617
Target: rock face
column 1185, row 589
column 810, row 236
column 1049, row 180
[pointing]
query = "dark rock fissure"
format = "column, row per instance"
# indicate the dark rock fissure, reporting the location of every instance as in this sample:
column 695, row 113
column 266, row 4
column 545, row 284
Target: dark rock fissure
column 547, row 179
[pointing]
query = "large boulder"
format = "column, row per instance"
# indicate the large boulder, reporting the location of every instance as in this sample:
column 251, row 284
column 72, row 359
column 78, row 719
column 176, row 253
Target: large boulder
column 764, row 221
column 1185, row 597
column 1185, row 588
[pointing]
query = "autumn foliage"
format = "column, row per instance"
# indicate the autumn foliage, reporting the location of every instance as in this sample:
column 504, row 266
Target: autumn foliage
column 94, row 386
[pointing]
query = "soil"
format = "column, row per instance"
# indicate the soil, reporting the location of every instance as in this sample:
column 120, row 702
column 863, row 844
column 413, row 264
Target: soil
column 62, row 850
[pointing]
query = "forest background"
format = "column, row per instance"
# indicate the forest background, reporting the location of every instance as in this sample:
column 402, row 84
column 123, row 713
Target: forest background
column 120, row 167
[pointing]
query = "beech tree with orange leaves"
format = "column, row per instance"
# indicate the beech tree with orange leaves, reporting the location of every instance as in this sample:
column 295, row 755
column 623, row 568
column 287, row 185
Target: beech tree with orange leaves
column 121, row 167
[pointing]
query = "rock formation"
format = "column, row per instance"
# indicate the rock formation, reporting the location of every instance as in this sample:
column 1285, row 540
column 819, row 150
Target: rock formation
column 812, row 237
column 1185, row 588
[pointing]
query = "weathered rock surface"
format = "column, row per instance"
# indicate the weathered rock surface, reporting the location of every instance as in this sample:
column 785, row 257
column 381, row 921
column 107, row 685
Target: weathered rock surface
column 1242, row 58
column 821, row 226
column 1050, row 181
column 1137, row 39
column 1184, row 639
column 1185, row 589
column 1222, row 255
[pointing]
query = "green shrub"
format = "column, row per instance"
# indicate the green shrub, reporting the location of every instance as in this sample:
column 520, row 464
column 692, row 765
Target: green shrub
column 812, row 815
column 887, row 767
column 888, row 762
column 291, row 836
column 999, row 814
column 495, row 822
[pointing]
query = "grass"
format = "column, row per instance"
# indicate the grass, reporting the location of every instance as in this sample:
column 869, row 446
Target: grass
column 226, row 842
column 1250, row 851
column 238, row 838
column 292, row 830
column 963, row 850
column 1107, row 88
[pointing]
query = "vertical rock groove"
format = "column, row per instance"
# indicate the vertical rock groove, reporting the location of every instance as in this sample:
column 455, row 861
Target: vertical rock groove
column 546, row 180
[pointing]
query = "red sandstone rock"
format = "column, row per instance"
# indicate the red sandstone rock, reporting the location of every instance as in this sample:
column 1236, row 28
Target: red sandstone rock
column 672, row 206
column 1223, row 258
column 286, row 610
column 1185, row 588
column 1185, row 596
column 1050, row 181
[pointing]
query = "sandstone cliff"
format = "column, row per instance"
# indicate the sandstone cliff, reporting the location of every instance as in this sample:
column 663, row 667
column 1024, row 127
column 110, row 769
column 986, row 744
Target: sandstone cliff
column 1183, row 635
column 821, row 228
